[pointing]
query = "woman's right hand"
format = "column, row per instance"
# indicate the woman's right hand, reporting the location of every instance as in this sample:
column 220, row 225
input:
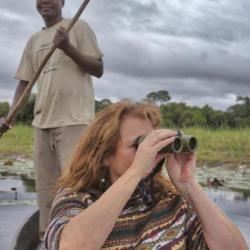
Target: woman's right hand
column 147, row 157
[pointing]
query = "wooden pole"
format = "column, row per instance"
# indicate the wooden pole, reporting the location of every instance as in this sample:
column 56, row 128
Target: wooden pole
column 25, row 95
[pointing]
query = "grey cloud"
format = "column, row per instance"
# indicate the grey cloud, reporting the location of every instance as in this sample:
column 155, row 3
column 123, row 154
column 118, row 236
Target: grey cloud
column 176, row 60
column 197, row 50
column 6, row 82
column 25, row 8
column 216, row 21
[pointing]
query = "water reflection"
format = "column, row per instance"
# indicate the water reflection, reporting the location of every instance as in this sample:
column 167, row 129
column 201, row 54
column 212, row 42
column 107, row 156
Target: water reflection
column 21, row 182
column 29, row 183
column 17, row 190
column 235, row 179
column 231, row 202
column 17, row 181
column 236, row 205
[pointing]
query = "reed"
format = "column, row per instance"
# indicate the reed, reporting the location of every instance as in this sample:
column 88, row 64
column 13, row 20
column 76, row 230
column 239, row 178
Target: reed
column 222, row 145
column 18, row 141
column 215, row 146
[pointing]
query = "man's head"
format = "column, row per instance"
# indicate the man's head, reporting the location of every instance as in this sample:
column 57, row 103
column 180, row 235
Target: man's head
column 50, row 9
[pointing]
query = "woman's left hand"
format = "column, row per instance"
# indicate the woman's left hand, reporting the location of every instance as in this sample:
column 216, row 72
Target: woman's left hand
column 181, row 170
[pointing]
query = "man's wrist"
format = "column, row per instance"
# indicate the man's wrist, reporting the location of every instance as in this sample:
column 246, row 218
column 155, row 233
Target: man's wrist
column 67, row 49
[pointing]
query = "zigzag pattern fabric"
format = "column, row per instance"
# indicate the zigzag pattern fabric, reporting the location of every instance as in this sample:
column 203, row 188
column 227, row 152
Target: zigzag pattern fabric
column 169, row 224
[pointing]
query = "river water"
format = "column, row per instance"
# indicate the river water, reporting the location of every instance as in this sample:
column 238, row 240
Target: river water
column 17, row 196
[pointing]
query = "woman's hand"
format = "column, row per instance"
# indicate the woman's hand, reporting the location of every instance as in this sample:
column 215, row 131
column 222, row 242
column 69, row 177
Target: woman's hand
column 181, row 170
column 147, row 156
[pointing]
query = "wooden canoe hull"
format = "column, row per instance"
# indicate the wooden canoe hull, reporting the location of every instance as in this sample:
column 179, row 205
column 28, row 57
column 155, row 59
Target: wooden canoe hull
column 28, row 235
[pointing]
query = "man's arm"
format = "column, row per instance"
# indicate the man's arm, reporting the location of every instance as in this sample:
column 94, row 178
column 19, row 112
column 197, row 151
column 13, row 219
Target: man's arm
column 19, row 91
column 87, row 63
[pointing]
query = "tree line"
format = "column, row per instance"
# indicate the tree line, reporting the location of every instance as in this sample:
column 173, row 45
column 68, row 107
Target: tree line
column 175, row 115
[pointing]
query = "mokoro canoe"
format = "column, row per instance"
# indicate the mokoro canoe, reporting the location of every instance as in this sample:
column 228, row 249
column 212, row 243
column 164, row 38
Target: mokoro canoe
column 28, row 236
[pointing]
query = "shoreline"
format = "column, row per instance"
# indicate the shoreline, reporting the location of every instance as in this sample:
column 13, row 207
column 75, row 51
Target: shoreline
column 226, row 147
column 228, row 164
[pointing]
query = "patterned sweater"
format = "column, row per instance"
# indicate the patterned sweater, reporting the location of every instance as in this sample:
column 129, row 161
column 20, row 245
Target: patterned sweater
column 169, row 224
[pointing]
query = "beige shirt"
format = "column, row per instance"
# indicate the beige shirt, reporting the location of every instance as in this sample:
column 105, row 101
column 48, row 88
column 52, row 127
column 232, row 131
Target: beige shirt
column 65, row 93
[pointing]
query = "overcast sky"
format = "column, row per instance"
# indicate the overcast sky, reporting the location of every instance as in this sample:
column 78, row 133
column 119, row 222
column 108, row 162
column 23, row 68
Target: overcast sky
column 197, row 50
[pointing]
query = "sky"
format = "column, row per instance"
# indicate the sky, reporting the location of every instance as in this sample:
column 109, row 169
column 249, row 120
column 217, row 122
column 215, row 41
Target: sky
column 199, row 51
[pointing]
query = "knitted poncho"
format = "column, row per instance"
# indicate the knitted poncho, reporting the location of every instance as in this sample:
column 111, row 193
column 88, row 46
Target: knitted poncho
column 169, row 224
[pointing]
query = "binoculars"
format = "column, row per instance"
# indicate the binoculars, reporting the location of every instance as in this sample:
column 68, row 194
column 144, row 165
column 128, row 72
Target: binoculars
column 181, row 144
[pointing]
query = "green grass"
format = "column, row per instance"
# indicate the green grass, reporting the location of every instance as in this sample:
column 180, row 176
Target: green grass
column 17, row 141
column 215, row 146
column 222, row 145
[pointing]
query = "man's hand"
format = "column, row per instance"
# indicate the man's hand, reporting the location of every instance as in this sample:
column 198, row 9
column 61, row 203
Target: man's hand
column 61, row 39
column 88, row 64
column 4, row 126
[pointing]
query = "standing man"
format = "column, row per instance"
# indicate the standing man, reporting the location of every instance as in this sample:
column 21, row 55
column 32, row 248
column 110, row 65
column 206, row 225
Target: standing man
column 65, row 97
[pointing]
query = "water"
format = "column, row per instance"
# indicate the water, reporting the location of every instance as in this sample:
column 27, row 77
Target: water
column 18, row 198
column 236, row 205
column 17, row 183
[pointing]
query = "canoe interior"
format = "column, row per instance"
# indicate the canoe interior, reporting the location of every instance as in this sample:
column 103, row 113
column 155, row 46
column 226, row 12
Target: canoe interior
column 28, row 235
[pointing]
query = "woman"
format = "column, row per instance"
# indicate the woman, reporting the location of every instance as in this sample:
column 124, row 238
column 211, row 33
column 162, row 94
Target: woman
column 108, row 199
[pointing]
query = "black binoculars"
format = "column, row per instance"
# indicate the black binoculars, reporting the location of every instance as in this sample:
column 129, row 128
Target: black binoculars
column 181, row 144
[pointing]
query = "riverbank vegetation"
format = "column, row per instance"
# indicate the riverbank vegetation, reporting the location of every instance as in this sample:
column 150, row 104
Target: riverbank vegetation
column 224, row 136
column 216, row 146
column 175, row 115
column 18, row 141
